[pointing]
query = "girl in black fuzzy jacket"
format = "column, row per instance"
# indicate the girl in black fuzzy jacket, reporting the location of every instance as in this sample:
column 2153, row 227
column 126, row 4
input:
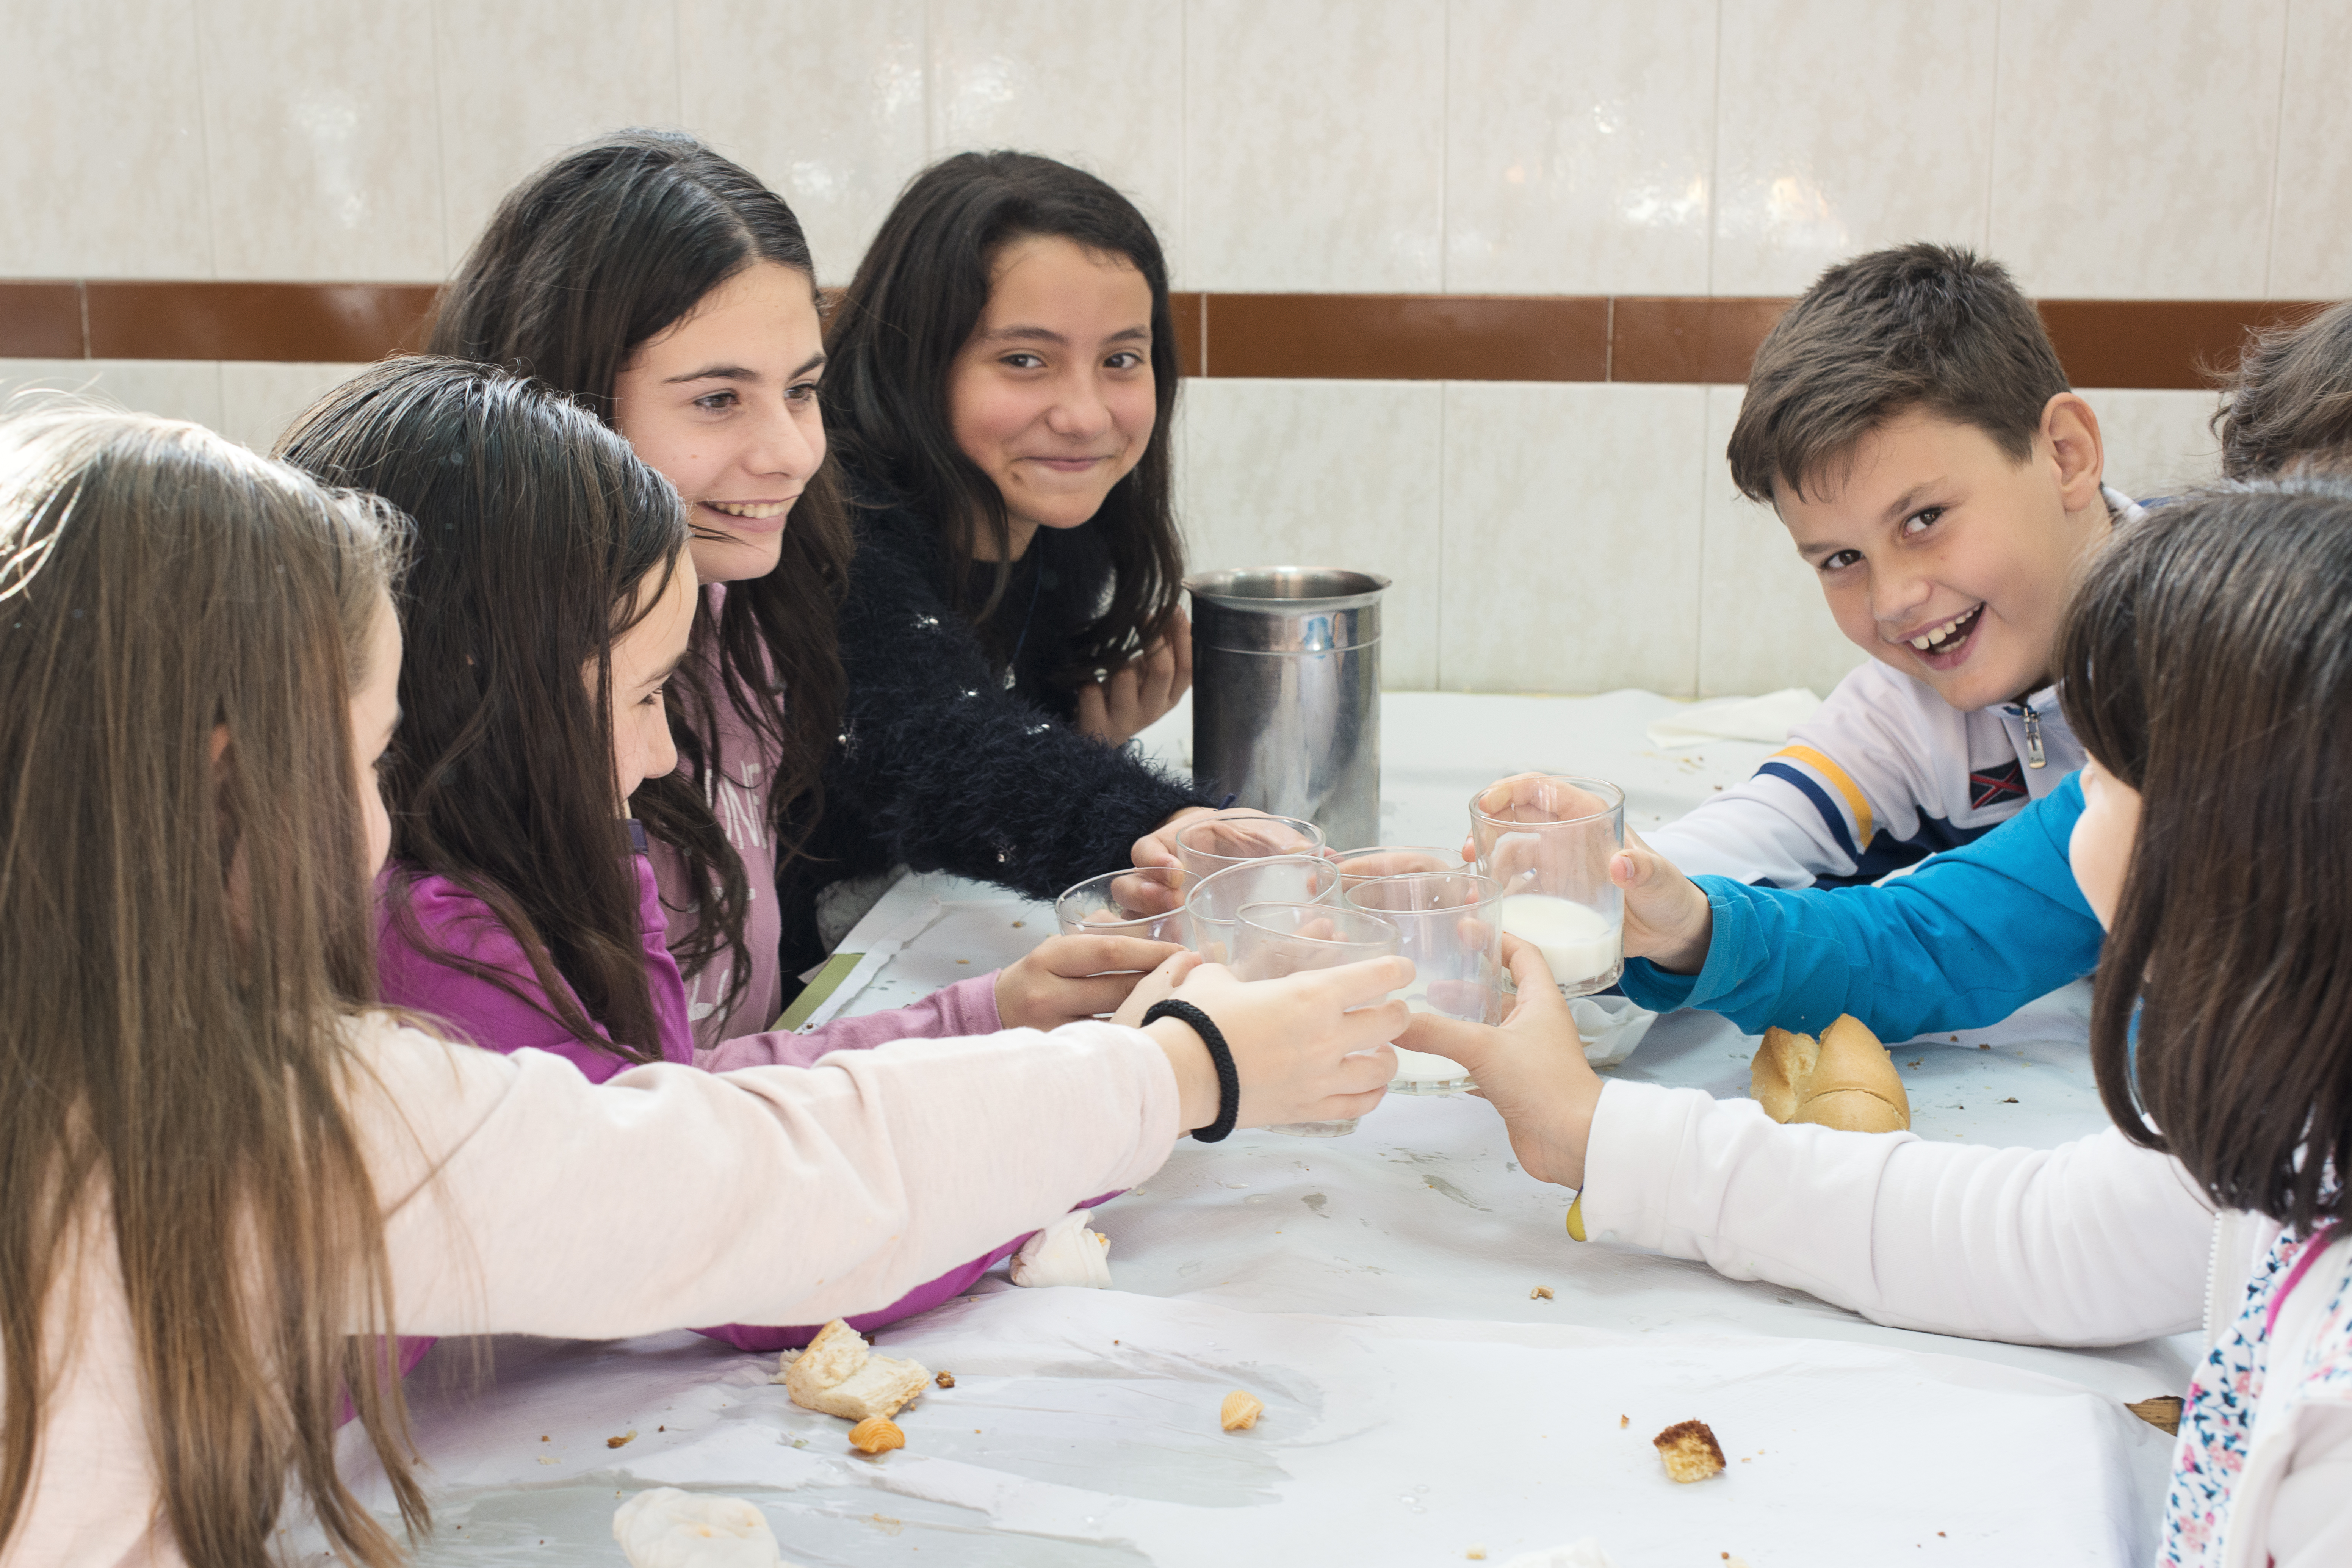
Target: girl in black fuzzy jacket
column 1002, row 380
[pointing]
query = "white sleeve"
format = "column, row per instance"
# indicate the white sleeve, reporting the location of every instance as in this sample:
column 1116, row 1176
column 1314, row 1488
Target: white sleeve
column 523, row 1198
column 2310, row 1523
column 1759, row 830
column 2098, row 1242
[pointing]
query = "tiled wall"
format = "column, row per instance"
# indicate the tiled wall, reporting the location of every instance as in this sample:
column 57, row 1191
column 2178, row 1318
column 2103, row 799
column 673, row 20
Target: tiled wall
column 1543, row 537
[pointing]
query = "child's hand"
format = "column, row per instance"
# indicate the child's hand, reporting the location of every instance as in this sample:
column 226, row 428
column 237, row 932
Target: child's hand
column 1312, row 1046
column 1531, row 1067
column 1667, row 920
column 1065, row 978
column 1126, row 702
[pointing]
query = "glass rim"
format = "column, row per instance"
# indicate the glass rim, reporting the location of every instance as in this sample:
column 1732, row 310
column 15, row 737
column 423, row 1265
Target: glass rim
column 1615, row 794
column 1166, row 874
column 1193, row 893
column 1313, row 832
column 1490, row 891
column 1242, row 918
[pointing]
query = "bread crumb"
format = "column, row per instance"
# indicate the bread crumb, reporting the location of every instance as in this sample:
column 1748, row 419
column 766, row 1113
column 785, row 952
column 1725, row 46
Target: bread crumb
column 1689, row 1451
column 1624, row 1422
column 2010, row 1100
column 1476, row 1554
column 623, row 1441
column 1541, row 1293
column 1980, row 1048
column 543, row 1436
column 1240, row 1411
column 945, row 1380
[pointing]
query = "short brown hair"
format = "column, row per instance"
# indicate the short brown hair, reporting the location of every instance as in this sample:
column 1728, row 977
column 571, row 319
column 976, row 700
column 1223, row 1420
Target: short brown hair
column 2290, row 399
column 2207, row 662
column 1918, row 326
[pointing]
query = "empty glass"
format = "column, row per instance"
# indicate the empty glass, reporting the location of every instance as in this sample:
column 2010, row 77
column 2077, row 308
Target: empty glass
column 1393, row 860
column 1215, row 902
column 1271, row 941
column 1446, row 925
column 1547, row 841
column 1216, row 842
column 1134, row 903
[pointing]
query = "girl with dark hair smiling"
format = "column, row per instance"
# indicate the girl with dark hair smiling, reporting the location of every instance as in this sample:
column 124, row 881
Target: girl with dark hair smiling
column 1001, row 391
column 2207, row 665
column 548, row 600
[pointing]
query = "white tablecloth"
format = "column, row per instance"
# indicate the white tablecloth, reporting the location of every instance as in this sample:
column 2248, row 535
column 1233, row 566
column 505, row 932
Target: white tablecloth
column 1376, row 1291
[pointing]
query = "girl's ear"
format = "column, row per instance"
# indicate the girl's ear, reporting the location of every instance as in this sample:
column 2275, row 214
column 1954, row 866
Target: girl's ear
column 219, row 745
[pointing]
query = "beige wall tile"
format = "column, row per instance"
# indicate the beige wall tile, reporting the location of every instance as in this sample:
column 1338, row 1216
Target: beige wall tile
column 1324, row 473
column 2309, row 260
column 1580, row 145
column 1571, row 527
column 176, row 389
column 2157, row 443
column 104, row 175
column 1313, row 132
column 1762, row 623
column 258, row 401
column 321, row 140
column 821, row 99
column 1844, row 126
column 1074, row 80
column 2133, row 147
column 523, row 80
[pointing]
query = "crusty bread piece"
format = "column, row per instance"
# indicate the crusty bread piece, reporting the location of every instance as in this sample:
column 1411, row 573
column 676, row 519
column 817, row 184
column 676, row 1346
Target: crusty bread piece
column 1690, row 1451
column 840, row 1375
column 1844, row 1080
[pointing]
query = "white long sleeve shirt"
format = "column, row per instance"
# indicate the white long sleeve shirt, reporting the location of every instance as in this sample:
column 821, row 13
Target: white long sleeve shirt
column 519, row 1197
column 2097, row 1242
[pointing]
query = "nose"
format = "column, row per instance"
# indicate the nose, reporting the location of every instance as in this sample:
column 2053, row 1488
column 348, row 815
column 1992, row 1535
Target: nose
column 1080, row 412
column 785, row 447
column 661, row 753
column 1896, row 596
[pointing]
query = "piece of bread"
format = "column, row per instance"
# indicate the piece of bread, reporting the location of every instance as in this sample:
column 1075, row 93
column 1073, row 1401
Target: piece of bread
column 840, row 1375
column 1066, row 1253
column 1844, row 1080
column 1690, row 1451
column 666, row 1528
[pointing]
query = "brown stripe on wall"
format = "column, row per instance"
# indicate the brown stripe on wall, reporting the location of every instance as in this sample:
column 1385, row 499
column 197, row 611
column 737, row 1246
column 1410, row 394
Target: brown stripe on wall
column 1411, row 337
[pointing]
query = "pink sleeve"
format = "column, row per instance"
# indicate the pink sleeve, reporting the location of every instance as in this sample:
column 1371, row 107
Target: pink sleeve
column 967, row 1008
column 444, row 917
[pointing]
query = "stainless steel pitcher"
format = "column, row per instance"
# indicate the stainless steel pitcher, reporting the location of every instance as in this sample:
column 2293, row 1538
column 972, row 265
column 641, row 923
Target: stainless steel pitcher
column 1287, row 694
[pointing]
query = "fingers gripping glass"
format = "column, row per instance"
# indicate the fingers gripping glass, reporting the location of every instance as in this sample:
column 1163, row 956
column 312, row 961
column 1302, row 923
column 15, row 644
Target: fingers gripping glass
column 1273, row 940
column 1446, row 925
column 1547, row 841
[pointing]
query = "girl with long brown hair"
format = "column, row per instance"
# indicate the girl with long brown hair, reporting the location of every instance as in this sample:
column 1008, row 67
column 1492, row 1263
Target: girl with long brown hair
column 2207, row 665
column 228, row 1176
column 548, row 600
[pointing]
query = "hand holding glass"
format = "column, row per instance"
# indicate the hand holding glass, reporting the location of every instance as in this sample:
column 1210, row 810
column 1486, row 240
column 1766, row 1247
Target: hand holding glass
column 1446, row 925
column 1547, row 841
column 1272, row 940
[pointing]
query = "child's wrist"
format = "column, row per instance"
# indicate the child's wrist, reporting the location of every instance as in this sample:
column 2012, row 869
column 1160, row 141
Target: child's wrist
column 1198, row 1097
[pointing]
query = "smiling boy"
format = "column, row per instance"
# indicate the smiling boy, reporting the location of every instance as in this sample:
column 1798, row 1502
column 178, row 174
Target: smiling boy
column 1909, row 423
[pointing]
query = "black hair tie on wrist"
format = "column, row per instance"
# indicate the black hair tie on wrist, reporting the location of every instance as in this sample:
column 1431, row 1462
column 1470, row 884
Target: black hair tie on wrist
column 1229, row 1077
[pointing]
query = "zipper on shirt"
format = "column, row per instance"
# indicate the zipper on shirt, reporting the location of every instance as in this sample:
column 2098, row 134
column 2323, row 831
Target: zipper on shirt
column 2035, row 756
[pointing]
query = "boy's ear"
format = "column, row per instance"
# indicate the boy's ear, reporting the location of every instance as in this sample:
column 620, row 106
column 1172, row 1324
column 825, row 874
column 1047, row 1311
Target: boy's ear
column 2071, row 429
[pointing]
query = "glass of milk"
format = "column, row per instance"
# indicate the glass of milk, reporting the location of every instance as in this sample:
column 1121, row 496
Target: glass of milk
column 1547, row 839
column 1214, row 905
column 1216, row 844
column 1446, row 923
column 1271, row 941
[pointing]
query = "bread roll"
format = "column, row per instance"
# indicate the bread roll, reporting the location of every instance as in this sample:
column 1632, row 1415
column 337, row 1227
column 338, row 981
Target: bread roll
column 840, row 1376
column 1844, row 1080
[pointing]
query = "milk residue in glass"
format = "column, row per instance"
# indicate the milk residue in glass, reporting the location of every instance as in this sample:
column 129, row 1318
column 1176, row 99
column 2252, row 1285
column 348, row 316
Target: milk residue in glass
column 1577, row 942
column 1421, row 1067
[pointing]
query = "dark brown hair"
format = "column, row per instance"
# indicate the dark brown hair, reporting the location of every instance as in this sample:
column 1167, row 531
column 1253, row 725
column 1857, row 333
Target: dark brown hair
column 585, row 261
column 187, row 943
column 916, row 299
column 2290, row 399
column 540, row 540
column 1920, row 326
column 2207, row 663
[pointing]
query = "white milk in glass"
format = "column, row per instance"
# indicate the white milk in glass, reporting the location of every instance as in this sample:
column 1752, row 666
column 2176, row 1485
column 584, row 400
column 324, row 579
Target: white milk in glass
column 1416, row 1069
column 1578, row 943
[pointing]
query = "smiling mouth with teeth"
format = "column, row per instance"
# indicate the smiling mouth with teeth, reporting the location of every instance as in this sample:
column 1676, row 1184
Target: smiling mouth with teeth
column 757, row 511
column 1947, row 637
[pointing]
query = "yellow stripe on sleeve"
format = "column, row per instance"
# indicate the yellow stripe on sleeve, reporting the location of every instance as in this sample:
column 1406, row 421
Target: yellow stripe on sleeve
column 1576, row 1219
column 1845, row 786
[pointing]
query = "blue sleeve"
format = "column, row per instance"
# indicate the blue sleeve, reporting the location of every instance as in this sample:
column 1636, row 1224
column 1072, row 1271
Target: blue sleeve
column 1968, row 939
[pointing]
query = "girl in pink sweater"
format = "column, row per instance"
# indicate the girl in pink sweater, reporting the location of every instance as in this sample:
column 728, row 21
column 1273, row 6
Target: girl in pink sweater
column 229, row 1175
column 550, row 597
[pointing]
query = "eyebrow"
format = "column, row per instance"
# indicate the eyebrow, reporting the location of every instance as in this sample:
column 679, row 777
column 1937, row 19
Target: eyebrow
column 1047, row 335
column 664, row 673
column 1908, row 501
column 742, row 373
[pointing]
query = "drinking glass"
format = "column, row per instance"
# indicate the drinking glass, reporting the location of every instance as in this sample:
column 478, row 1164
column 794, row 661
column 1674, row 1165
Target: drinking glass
column 1393, row 860
column 1446, row 925
column 1217, row 843
column 1215, row 902
column 1547, row 839
column 1139, row 901
column 1271, row 941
